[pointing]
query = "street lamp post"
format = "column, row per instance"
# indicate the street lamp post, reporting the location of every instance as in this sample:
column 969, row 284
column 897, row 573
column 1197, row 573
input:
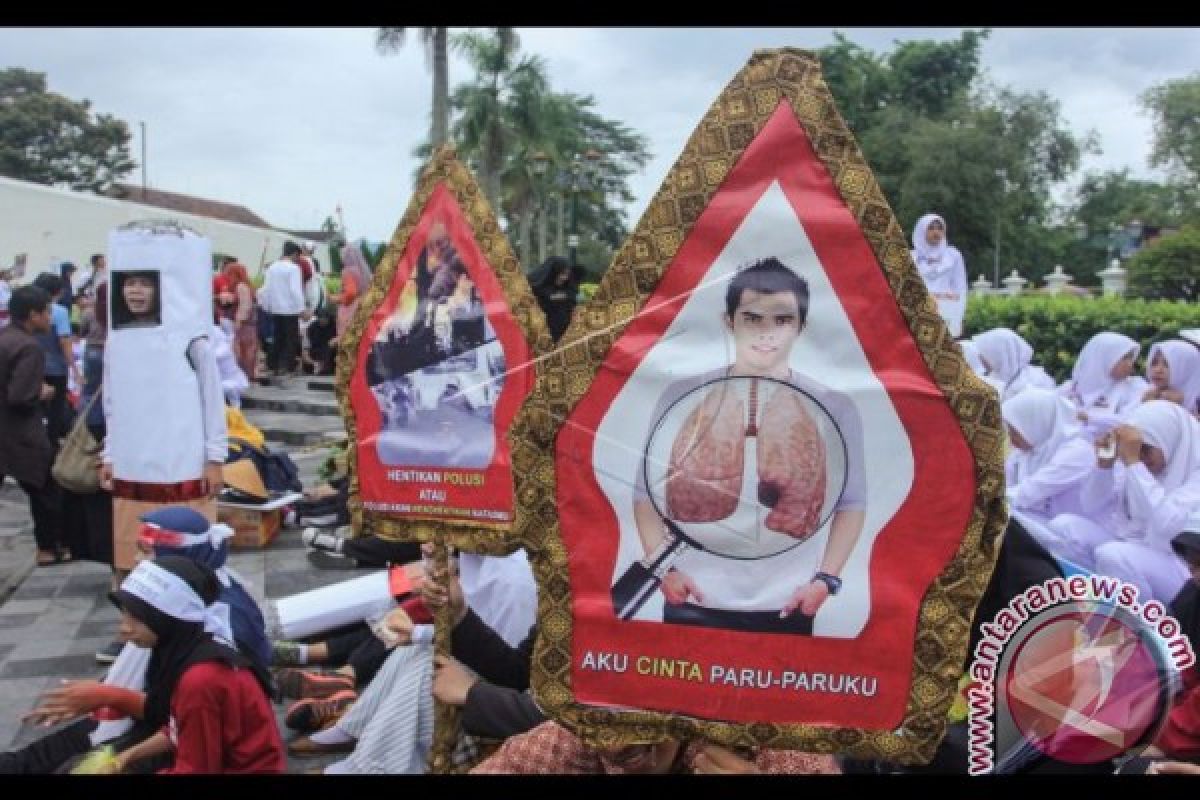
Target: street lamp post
column 1002, row 174
column 579, row 177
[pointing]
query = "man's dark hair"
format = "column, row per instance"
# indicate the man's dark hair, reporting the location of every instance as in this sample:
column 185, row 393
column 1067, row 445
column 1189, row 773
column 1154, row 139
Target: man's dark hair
column 96, row 258
column 49, row 283
column 290, row 249
column 27, row 300
column 768, row 276
column 228, row 260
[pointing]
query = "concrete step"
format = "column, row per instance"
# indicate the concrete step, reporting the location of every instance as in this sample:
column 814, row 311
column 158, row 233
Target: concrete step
column 297, row 430
column 275, row 398
column 322, row 385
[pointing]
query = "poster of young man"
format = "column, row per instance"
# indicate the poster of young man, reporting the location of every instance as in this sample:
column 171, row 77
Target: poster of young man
column 767, row 480
column 440, row 365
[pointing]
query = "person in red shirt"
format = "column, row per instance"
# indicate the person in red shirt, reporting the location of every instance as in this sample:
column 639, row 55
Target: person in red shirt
column 210, row 700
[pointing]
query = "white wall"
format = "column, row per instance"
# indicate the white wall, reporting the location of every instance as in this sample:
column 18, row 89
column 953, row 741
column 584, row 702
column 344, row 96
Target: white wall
column 56, row 225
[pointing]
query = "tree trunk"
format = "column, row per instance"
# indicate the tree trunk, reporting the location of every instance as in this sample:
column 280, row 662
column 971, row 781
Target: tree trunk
column 525, row 231
column 440, row 125
column 543, row 231
column 560, row 243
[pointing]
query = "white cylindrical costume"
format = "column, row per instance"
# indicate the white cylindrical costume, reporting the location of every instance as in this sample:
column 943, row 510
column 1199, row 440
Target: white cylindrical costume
column 162, row 394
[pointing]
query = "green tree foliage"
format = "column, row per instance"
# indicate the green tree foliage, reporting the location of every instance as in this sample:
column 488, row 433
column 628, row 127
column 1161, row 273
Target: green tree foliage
column 506, row 118
column 1168, row 268
column 938, row 139
column 48, row 138
column 1058, row 327
column 1175, row 106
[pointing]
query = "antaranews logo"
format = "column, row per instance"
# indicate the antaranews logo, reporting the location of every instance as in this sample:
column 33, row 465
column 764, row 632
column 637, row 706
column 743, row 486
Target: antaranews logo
column 1075, row 669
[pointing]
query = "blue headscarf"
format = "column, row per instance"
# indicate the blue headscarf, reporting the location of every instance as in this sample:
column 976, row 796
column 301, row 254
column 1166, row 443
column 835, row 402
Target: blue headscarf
column 182, row 531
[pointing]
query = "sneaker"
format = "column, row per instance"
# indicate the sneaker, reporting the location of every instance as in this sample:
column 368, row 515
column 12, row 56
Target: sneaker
column 315, row 683
column 320, row 520
column 311, row 715
column 322, row 560
column 320, row 540
column 110, row 652
column 285, row 653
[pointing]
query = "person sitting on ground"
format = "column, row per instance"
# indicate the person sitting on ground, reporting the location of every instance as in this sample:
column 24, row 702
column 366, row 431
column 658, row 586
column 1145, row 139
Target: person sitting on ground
column 390, row 728
column 1103, row 388
column 1173, row 372
column 208, row 701
column 1133, row 508
column 551, row 749
column 337, row 551
column 1050, row 458
column 177, row 532
column 1008, row 361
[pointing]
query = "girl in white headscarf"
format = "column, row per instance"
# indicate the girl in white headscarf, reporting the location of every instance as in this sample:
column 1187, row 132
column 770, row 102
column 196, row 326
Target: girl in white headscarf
column 1050, row 459
column 1103, row 388
column 943, row 270
column 1008, row 358
column 1137, row 500
column 1173, row 372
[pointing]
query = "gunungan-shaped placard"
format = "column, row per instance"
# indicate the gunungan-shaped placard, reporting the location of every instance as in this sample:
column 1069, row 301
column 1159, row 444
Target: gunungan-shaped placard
column 437, row 361
column 762, row 489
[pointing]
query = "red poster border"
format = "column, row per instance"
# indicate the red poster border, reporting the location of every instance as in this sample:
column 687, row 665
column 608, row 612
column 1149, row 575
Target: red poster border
column 496, row 494
column 908, row 554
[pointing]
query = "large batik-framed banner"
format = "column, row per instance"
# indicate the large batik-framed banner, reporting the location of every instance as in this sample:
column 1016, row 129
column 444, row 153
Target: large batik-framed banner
column 437, row 361
column 761, row 485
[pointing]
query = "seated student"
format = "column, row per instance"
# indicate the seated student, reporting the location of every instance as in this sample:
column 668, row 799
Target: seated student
column 1131, row 509
column 1008, row 361
column 390, row 728
column 171, row 531
column 551, row 749
column 1103, row 388
column 208, row 701
column 1173, row 372
column 1050, row 459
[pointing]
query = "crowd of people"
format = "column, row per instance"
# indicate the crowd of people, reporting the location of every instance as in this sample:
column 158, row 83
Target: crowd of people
column 1103, row 473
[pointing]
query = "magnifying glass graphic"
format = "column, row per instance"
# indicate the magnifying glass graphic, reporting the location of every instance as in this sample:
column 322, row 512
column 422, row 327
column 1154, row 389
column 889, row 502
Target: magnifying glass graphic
column 743, row 468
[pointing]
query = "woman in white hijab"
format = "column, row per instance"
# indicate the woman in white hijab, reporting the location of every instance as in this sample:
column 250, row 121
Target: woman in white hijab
column 1173, row 372
column 1103, row 388
column 1008, row 358
column 1137, row 500
column 1050, row 459
column 943, row 270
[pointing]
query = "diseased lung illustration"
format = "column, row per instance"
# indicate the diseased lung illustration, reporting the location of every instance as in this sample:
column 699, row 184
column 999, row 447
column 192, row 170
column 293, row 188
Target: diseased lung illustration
column 704, row 482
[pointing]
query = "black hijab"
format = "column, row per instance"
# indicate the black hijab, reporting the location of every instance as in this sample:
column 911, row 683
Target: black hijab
column 181, row 644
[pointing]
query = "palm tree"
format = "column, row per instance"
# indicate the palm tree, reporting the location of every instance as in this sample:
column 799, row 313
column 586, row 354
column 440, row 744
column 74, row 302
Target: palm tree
column 435, row 40
column 500, row 108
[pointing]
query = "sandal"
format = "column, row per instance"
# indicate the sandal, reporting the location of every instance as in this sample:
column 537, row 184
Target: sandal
column 46, row 558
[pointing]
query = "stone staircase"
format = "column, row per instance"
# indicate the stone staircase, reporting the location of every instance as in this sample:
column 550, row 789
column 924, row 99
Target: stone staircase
column 295, row 412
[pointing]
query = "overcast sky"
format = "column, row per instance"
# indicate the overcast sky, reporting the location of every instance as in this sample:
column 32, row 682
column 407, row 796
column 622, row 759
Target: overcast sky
column 290, row 122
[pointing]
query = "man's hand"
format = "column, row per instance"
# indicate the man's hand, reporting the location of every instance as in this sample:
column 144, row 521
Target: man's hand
column 678, row 587
column 72, row 699
column 305, row 315
column 451, row 681
column 106, row 476
column 47, row 393
column 807, row 599
column 213, row 478
column 716, row 760
column 1129, row 444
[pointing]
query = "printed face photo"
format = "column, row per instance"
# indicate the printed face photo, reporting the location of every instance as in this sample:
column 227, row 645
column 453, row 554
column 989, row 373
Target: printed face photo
column 136, row 299
column 734, row 457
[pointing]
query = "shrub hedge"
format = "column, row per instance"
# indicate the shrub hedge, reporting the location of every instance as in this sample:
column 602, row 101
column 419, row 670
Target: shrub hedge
column 1057, row 327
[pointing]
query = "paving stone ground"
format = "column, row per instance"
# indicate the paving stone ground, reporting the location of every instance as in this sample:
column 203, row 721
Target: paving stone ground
column 54, row 619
